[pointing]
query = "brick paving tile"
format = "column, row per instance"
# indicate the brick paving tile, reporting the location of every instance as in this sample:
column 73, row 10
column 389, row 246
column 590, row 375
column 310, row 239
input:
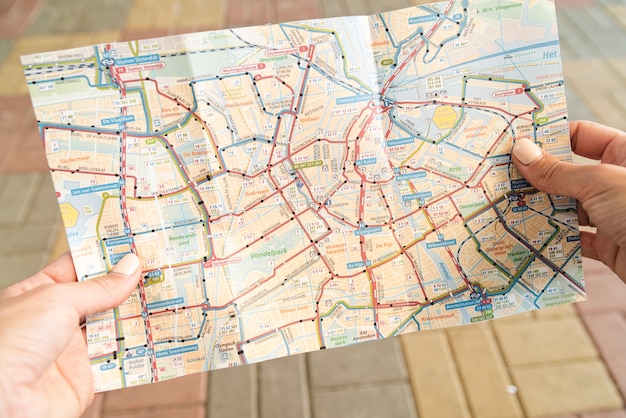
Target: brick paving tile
column 608, row 329
column 287, row 11
column 564, row 4
column 544, row 340
column 606, row 108
column 385, row 6
column 16, row 197
column 176, row 17
column 184, row 390
column 570, row 35
column 483, row 372
column 139, row 34
column 391, row 400
column 607, row 38
column 605, row 291
column 558, row 311
column 234, row 392
column 177, row 411
column 603, row 75
column 27, row 239
column 524, row 316
column 562, row 416
column 44, row 207
column 356, row 8
column 560, row 388
column 113, row 16
column 5, row 47
column 577, row 109
column 333, row 8
column 95, row 409
column 57, row 16
column 15, row 16
column 619, row 413
column 92, row 38
column 345, row 366
column 19, row 125
column 17, row 267
column 283, row 388
column 9, row 144
column 25, row 161
column 435, row 382
column 619, row 13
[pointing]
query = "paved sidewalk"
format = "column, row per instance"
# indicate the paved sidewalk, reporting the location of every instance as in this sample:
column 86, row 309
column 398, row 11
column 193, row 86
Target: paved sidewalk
column 559, row 362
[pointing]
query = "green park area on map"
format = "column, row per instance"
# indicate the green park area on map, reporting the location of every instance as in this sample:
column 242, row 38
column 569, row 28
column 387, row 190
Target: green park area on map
column 309, row 185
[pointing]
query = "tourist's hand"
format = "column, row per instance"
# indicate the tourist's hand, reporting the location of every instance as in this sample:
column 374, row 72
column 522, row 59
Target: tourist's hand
column 599, row 188
column 44, row 367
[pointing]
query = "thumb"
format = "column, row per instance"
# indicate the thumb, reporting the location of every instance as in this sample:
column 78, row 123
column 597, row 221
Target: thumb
column 97, row 295
column 548, row 173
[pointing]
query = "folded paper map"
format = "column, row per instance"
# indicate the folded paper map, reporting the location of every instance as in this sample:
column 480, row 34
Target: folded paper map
column 309, row 185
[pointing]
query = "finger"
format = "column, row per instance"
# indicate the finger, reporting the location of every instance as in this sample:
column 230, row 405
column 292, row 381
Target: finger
column 547, row 173
column 587, row 245
column 597, row 246
column 58, row 307
column 57, row 270
column 592, row 140
column 97, row 295
column 583, row 217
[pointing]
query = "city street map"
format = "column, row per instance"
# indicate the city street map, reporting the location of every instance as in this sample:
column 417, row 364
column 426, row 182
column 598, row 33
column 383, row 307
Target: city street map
column 310, row 185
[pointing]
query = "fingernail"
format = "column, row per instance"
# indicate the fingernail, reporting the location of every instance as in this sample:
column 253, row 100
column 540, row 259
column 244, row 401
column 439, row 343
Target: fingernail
column 127, row 265
column 526, row 151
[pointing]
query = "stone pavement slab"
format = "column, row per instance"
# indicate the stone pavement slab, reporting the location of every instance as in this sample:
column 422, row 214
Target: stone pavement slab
column 56, row 16
column 544, row 340
column 608, row 329
column 20, row 191
column 605, row 291
column 284, row 388
column 435, row 381
column 606, row 414
column 374, row 362
column 20, row 266
column 178, row 411
column 234, row 392
column 189, row 390
column 15, row 16
column 485, row 378
column 392, row 400
column 566, row 387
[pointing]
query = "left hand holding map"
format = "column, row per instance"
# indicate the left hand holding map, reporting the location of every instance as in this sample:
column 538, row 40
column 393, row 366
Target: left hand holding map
column 44, row 311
